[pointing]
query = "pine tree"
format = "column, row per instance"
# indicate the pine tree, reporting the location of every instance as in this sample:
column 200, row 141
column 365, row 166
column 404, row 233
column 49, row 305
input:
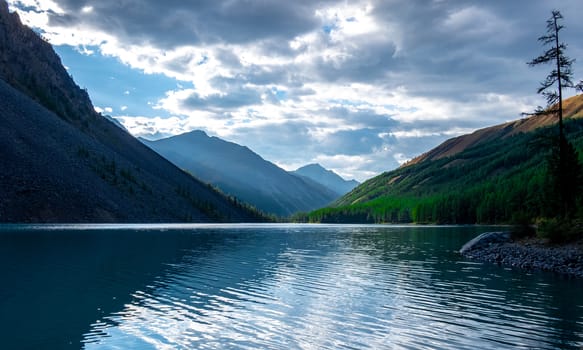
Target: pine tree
column 562, row 73
column 564, row 169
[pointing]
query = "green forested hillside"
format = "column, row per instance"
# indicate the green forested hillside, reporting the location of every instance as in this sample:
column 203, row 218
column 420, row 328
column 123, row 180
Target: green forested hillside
column 500, row 180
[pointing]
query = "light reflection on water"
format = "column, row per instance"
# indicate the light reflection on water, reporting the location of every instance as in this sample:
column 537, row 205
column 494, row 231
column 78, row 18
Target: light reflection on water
column 274, row 286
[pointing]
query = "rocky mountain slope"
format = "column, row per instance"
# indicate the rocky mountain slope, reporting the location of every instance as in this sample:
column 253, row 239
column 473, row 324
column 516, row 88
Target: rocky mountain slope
column 327, row 178
column 63, row 162
column 572, row 108
column 240, row 172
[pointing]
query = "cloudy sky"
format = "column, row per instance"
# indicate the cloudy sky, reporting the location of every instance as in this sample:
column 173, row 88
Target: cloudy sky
column 357, row 86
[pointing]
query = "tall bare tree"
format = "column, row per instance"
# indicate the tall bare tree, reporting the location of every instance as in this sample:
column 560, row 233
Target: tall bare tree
column 562, row 74
column 565, row 175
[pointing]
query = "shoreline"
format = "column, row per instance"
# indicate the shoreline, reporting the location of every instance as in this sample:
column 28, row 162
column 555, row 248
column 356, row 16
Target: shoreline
column 528, row 254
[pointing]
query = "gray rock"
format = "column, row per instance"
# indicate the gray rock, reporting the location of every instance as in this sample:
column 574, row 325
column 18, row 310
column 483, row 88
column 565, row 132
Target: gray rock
column 533, row 254
column 486, row 239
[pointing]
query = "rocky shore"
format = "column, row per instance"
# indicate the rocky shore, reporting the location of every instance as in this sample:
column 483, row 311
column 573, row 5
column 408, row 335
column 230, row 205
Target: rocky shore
column 530, row 253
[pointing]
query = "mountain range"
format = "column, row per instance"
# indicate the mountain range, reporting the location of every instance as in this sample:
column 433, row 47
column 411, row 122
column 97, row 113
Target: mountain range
column 493, row 175
column 240, row 172
column 64, row 162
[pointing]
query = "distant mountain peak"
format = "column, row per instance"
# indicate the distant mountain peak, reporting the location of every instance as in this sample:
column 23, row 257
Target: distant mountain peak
column 314, row 166
column 197, row 132
column 326, row 177
column 320, row 168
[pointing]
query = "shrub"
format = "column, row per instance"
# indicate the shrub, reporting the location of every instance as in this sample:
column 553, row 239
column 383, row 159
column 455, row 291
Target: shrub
column 560, row 230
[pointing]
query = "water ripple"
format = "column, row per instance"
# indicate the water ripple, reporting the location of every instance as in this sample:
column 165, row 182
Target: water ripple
column 325, row 287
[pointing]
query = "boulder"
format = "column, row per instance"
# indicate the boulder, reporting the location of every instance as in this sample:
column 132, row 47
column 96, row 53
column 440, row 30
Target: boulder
column 486, row 239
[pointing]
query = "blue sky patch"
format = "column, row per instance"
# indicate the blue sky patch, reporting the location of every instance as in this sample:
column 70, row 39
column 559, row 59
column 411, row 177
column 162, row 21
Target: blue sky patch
column 112, row 84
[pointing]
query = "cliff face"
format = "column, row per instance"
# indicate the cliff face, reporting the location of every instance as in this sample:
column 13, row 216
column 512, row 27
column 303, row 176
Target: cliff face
column 63, row 162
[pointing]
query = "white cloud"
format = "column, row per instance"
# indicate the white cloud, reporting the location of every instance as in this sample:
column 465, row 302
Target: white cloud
column 40, row 6
column 351, row 167
column 401, row 158
column 154, row 127
column 107, row 110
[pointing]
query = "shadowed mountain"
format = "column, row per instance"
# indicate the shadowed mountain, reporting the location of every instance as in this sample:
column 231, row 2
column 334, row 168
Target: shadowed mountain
column 240, row 172
column 494, row 175
column 63, row 162
column 326, row 178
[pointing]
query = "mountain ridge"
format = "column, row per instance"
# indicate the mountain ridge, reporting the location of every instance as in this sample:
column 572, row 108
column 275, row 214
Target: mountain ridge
column 240, row 172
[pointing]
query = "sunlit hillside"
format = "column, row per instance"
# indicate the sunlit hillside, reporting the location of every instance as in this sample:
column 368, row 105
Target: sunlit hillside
column 494, row 175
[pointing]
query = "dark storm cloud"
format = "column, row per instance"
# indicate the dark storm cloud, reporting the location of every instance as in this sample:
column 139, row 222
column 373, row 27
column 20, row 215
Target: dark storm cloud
column 352, row 142
column 366, row 117
column 264, row 75
column 234, row 99
column 173, row 22
column 365, row 62
column 458, row 48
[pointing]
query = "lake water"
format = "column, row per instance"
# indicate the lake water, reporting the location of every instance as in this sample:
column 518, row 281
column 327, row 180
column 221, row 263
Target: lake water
column 272, row 287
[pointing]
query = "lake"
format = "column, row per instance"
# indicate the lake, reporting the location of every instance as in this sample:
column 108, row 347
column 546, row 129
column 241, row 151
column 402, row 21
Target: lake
column 272, row 287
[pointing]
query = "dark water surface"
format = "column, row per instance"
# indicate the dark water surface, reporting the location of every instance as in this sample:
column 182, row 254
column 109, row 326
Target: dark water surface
column 272, row 287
